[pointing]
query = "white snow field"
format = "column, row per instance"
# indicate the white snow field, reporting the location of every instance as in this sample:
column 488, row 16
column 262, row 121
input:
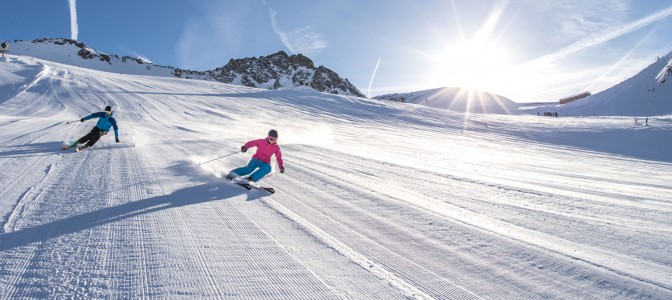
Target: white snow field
column 380, row 200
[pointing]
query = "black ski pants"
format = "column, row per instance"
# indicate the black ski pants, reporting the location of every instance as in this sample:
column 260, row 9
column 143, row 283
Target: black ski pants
column 92, row 137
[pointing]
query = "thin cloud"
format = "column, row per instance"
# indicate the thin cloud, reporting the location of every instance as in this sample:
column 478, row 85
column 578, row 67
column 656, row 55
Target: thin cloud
column 578, row 19
column 583, row 29
column 605, row 35
column 74, row 27
column 136, row 54
column 304, row 40
column 280, row 33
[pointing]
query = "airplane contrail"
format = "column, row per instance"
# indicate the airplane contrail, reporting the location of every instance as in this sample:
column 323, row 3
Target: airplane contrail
column 372, row 75
column 74, row 28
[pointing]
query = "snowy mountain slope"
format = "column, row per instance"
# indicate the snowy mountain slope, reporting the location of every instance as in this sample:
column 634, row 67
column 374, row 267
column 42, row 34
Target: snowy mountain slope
column 75, row 53
column 648, row 93
column 380, row 199
column 274, row 71
column 458, row 100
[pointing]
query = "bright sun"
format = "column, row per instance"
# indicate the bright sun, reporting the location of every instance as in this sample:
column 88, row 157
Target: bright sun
column 475, row 65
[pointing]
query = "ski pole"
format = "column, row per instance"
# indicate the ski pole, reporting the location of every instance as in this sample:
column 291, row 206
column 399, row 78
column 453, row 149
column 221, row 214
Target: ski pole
column 127, row 144
column 219, row 158
column 68, row 122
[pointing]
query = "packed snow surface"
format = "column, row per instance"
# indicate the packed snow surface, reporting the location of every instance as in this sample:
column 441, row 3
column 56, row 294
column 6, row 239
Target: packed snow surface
column 380, row 200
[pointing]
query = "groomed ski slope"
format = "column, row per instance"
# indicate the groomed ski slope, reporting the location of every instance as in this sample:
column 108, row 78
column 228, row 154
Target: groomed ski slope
column 380, row 200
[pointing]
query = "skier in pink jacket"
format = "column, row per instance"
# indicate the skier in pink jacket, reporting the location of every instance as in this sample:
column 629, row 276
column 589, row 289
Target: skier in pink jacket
column 260, row 164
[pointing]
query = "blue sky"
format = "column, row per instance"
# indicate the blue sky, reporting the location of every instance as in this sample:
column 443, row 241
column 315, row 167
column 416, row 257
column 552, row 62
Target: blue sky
column 526, row 50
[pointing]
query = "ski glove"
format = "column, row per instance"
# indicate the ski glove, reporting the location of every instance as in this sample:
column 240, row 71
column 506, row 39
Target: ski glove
column 81, row 120
column 116, row 140
column 282, row 170
column 243, row 149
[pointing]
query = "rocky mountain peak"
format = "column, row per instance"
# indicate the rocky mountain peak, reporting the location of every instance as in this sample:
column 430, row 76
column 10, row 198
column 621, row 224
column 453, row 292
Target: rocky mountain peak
column 280, row 70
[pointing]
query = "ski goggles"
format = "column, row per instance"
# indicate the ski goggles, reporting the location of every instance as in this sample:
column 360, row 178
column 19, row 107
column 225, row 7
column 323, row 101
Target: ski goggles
column 270, row 138
column 108, row 112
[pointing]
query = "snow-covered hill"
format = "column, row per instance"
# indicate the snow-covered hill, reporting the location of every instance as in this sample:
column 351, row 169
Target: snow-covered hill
column 274, row 71
column 380, row 200
column 458, row 100
column 649, row 93
column 74, row 53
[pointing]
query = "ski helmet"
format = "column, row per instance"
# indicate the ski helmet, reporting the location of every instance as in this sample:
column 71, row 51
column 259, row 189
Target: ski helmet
column 108, row 108
column 272, row 133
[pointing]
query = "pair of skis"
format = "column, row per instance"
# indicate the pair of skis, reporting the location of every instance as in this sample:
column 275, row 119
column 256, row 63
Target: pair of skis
column 247, row 185
column 79, row 149
column 76, row 149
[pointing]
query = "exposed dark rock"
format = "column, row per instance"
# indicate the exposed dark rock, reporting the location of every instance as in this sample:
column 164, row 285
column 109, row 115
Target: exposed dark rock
column 273, row 70
column 86, row 53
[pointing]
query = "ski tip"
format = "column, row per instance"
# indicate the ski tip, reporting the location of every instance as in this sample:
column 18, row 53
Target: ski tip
column 266, row 189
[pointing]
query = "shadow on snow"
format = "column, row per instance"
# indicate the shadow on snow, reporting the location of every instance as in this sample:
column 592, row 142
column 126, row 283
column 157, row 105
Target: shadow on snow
column 36, row 149
column 207, row 192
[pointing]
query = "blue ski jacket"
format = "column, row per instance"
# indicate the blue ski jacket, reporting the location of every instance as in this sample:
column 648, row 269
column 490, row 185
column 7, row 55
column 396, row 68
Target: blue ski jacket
column 105, row 122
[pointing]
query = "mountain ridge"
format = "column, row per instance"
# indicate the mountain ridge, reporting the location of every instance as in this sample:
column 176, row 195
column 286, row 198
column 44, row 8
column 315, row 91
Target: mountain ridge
column 638, row 95
column 275, row 71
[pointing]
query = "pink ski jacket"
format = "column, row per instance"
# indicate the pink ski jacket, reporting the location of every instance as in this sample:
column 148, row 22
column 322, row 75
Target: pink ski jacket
column 265, row 150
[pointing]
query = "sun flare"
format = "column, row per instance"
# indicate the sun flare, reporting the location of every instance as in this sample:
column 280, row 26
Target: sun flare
column 475, row 65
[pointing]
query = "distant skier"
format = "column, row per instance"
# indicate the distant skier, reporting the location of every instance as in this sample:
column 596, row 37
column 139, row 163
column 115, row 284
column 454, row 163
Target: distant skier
column 105, row 121
column 260, row 164
column 4, row 48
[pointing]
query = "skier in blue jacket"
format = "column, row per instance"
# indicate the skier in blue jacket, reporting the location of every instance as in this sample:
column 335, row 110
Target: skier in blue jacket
column 105, row 121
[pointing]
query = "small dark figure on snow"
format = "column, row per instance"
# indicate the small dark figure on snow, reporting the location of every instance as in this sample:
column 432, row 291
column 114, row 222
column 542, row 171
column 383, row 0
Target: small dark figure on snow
column 4, row 48
column 260, row 164
column 105, row 122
